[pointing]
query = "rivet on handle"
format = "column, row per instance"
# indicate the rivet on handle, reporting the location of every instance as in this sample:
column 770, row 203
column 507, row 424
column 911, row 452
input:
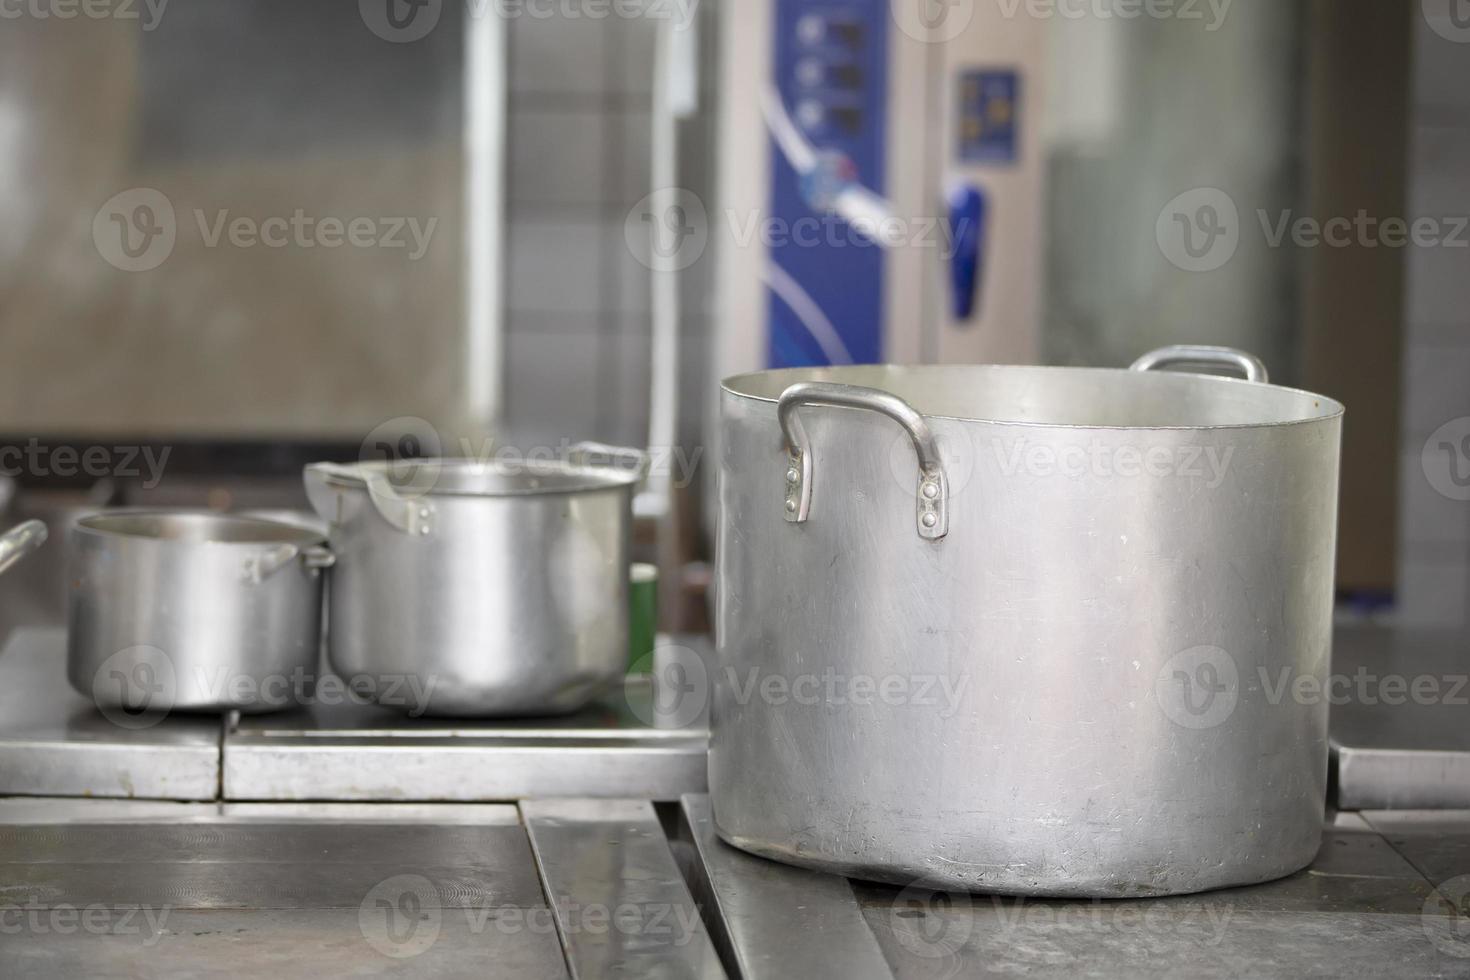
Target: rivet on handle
column 932, row 499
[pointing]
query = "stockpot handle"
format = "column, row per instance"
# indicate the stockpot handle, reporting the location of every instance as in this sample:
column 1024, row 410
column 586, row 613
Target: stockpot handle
column 1249, row 365
column 408, row 514
column 20, row 541
column 933, row 495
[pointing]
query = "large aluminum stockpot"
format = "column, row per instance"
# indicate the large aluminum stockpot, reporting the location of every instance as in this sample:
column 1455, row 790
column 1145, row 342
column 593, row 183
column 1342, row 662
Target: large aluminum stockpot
column 494, row 588
column 190, row 611
column 1026, row 630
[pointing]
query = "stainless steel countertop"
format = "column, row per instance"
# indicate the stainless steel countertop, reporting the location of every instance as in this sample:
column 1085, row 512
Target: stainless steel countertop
column 54, row 742
column 618, row 888
column 1391, row 748
column 1401, row 718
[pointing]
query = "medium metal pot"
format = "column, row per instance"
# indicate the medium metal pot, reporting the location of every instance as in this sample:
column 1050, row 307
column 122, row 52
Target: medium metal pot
column 193, row 611
column 492, row 588
column 1026, row 630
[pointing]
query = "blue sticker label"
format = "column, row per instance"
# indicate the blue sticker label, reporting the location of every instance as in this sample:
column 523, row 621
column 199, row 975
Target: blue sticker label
column 990, row 113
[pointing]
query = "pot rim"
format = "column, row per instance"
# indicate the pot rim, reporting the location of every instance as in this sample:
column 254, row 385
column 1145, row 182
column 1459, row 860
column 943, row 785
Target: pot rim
column 97, row 525
column 1332, row 409
column 582, row 478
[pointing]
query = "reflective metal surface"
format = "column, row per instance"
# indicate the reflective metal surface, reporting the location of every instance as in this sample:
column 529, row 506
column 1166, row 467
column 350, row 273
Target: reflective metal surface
column 1076, row 690
column 622, row 907
column 272, row 894
column 1401, row 718
column 192, row 612
column 361, row 752
column 20, row 541
column 774, row 921
column 596, row 889
column 54, row 741
column 498, row 592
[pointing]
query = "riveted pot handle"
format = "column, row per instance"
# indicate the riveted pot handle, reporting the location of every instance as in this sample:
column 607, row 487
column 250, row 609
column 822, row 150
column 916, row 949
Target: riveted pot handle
column 1249, row 365
column 408, row 514
column 20, row 541
column 933, row 495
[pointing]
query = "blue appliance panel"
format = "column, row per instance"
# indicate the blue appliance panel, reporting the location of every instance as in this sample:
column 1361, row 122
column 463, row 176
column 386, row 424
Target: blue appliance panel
column 831, row 65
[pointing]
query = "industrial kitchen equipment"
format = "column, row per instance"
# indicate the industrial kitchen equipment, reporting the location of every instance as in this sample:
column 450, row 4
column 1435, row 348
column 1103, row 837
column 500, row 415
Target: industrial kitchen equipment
column 501, row 586
column 192, row 611
column 1048, row 623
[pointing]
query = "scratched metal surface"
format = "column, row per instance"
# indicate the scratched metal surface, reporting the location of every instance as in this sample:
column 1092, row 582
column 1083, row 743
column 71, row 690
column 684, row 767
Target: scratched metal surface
column 1023, row 729
column 126, row 889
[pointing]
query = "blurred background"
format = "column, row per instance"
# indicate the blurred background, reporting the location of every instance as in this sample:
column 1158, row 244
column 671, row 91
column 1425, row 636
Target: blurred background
column 237, row 236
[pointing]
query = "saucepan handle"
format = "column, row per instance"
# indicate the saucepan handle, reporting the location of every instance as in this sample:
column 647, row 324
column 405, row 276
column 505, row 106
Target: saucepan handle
column 933, row 494
column 262, row 566
column 1249, row 365
column 20, row 541
column 409, row 514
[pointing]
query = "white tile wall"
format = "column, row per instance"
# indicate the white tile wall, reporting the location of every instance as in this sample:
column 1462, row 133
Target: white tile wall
column 578, row 301
column 1434, row 566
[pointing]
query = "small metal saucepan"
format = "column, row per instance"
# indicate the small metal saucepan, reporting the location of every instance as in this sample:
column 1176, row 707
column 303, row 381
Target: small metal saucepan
column 193, row 611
